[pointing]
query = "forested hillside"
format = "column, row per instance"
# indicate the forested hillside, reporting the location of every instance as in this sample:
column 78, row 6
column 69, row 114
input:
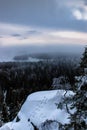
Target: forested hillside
column 19, row 79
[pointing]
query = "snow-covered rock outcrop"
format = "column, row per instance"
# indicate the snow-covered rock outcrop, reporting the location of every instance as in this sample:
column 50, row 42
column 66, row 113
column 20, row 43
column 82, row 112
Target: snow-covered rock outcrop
column 41, row 110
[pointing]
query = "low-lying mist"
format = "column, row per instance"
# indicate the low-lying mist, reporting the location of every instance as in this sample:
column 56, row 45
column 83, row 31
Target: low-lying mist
column 7, row 53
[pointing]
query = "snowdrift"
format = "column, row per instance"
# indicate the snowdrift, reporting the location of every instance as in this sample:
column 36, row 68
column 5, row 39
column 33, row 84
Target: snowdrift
column 40, row 110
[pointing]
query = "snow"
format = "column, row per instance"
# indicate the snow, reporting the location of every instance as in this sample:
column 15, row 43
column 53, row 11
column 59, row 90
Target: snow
column 18, row 126
column 38, row 108
column 81, row 80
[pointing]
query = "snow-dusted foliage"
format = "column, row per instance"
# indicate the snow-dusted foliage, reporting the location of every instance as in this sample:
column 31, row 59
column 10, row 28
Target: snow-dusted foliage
column 49, row 125
column 81, row 82
column 79, row 100
column 61, row 83
column 79, row 103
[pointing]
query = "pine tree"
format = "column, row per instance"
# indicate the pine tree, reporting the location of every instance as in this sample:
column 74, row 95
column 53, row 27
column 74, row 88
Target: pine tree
column 78, row 119
column 79, row 101
column 83, row 63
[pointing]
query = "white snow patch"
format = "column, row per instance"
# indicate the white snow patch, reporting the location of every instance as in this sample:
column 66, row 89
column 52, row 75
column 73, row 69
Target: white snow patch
column 38, row 108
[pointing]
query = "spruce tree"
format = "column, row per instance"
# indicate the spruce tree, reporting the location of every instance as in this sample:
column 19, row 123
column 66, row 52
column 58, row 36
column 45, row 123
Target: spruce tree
column 83, row 63
column 79, row 100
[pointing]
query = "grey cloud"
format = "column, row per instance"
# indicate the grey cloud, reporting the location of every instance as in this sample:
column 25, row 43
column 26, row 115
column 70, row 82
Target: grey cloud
column 16, row 35
column 1, row 36
column 44, row 13
column 25, row 35
column 33, row 32
column 85, row 2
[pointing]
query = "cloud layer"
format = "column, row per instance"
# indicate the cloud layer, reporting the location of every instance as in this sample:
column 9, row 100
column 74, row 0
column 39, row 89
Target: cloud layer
column 65, row 14
column 48, row 24
column 12, row 34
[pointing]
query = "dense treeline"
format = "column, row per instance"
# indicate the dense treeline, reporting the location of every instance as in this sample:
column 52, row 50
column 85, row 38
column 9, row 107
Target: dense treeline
column 19, row 79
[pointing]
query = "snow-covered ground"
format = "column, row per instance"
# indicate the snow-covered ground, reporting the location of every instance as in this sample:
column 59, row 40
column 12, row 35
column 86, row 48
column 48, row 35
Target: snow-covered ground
column 37, row 109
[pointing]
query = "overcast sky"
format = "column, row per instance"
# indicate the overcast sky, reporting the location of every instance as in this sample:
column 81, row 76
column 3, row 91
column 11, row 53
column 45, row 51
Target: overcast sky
column 43, row 23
